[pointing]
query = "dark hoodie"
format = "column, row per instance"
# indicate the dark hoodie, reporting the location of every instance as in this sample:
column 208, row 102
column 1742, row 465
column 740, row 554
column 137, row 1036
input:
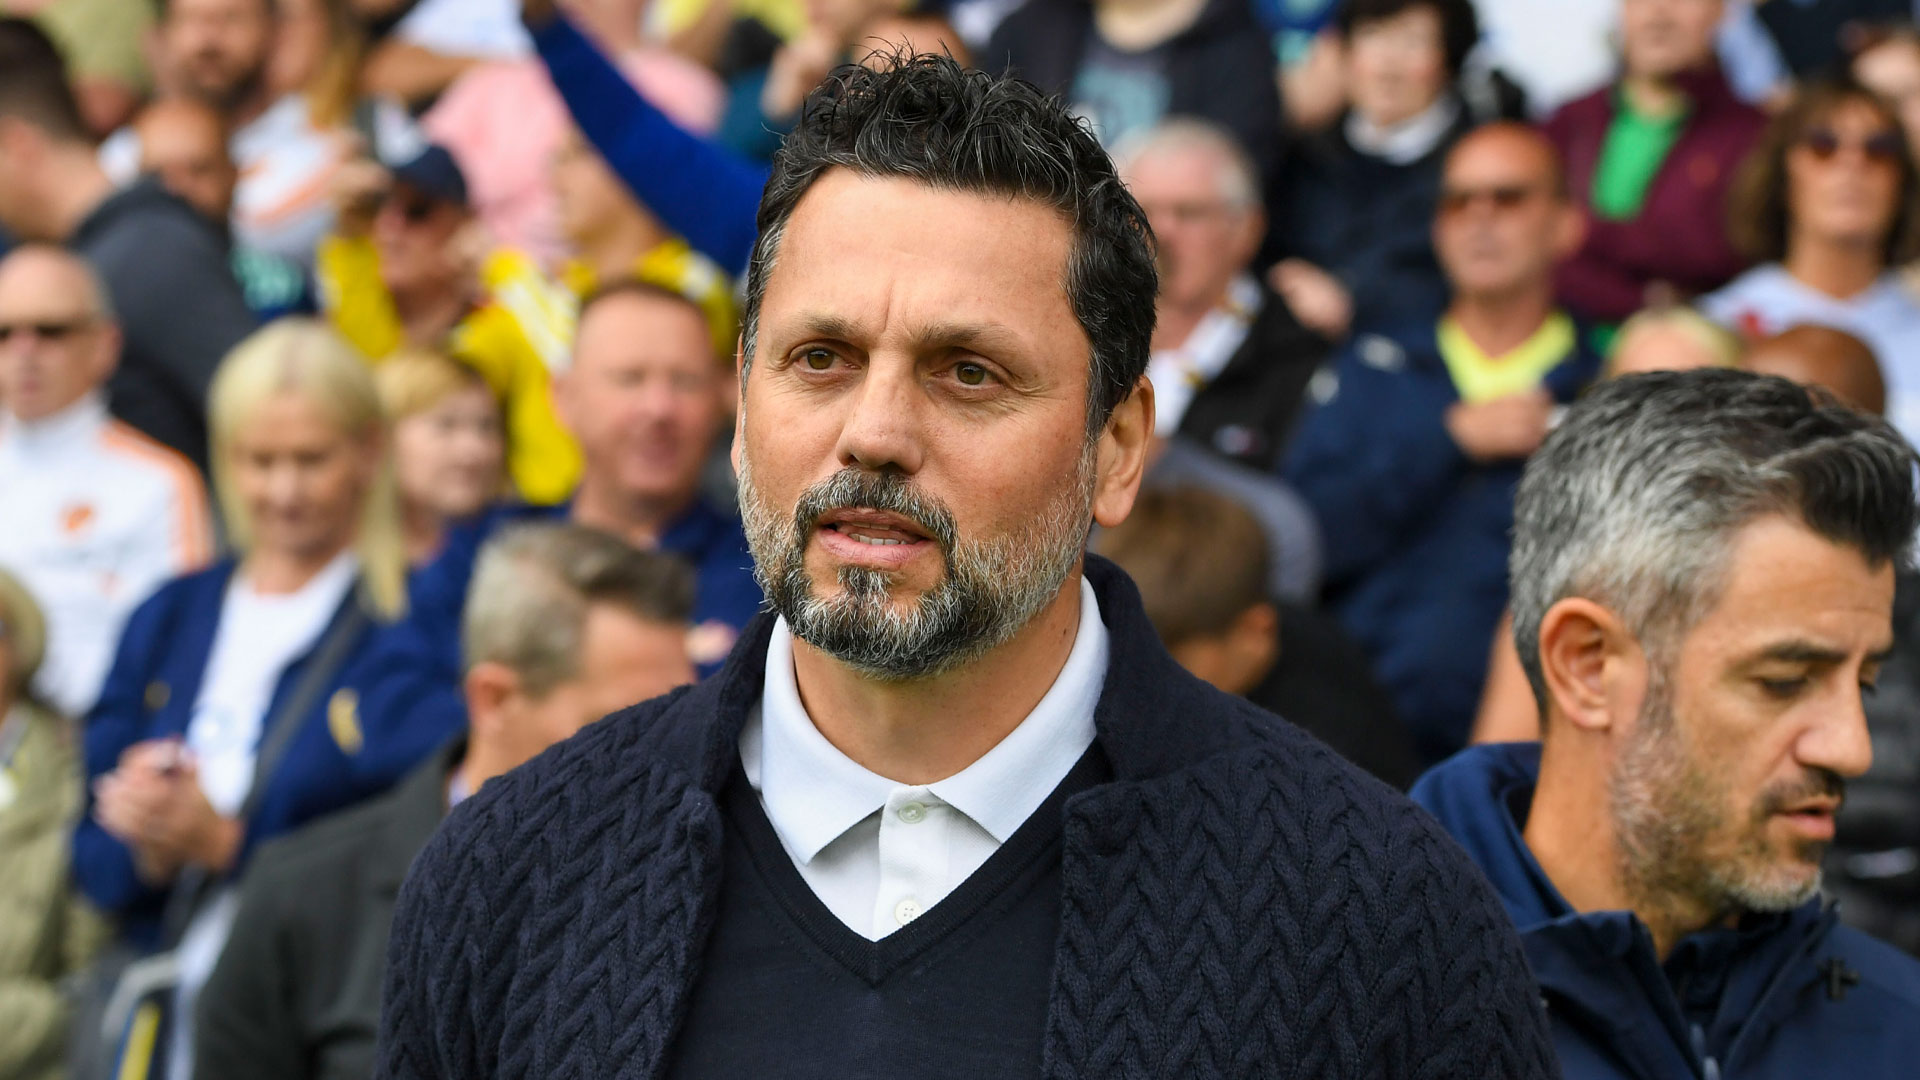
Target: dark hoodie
column 179, row 307
column 1219, row 69
column 1793, row 995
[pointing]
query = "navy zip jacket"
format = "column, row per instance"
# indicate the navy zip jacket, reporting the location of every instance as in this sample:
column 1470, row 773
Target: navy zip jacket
column 1236, row 902
column 1416, row 533
column 377, row 717
column 1782, row 996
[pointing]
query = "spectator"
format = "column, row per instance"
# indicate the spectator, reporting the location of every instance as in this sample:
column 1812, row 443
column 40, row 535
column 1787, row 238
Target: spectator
column 1828, row 204
column 103, row 42
column 1886, row 60
column 1230, row 362
column 922, row 365
column 239, row 705
column 449, row 453
column 1296, row 556
column 769, row 78
column 424, row 46
column 97, row 515
column 1703, row 578
column 565, row 625
column 1833, row 360
column 1354, row 207
column 1651, row 158
column 1671, row 339
column 504, row 123
column 287, row 144
column 165, row 267
column 1412, row 454
column 49, row 933
column 183, row 142
column 1200, row 562
column 1813, row 38
column 611, row 238
column 1126, row 66
column 645, row 396
column 410, row 267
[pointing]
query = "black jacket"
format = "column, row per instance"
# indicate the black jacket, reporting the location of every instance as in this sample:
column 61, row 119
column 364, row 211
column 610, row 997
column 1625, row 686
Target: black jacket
column 296, row 995
column 1237, row 902
column 1247, row 412
column 180, row 309
column 1219, row 69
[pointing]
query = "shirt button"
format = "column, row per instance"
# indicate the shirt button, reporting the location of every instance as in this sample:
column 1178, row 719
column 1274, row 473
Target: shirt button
column 906, row 911
column 912, row 813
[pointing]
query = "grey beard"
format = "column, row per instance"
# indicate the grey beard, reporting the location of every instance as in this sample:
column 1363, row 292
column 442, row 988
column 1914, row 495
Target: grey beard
column 990, row 589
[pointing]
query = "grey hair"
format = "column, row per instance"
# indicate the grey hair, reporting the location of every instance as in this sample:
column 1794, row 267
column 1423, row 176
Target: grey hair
column 1632, row 502
column 1239, row 178
column 533, row 585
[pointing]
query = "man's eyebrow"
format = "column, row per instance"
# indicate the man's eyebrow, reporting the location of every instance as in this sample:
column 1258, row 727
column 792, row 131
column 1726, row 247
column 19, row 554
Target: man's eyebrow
column 985, row 338
column 1802, row 651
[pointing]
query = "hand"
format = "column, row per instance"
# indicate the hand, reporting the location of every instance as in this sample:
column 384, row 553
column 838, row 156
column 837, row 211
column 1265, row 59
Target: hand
column 1504, row 429
column 797, row 68
column 359, row 186
column 162, row 815
column 1317, row 298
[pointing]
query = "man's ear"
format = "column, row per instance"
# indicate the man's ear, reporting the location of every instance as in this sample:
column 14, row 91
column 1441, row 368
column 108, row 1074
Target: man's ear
column 1123, row 455
column 489, row 688
column 1590, row 663
column 1570, row 231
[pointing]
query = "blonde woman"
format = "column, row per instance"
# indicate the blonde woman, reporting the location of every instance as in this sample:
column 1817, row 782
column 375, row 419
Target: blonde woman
column 238, row 706
column 449, row 450
column 46, row 933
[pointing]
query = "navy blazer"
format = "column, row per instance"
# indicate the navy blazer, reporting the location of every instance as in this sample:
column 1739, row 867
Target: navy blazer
column 1782, row 996
column 368, row 727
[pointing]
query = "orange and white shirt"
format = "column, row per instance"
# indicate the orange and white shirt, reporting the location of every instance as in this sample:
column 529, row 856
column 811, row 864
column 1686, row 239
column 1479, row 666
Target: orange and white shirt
column 96, row 517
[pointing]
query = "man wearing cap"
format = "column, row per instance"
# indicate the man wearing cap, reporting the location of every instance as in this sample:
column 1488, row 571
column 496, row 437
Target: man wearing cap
column 406, row 266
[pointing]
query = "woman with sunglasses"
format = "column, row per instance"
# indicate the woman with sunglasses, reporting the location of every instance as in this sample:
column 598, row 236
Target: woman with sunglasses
column 1828, row 205
column 251, row 697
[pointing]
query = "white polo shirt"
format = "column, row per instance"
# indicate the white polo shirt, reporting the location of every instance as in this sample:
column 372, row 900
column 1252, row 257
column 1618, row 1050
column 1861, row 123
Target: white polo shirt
column 879, row 853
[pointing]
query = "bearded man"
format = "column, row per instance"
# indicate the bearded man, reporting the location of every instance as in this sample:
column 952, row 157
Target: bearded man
column 1702, row 569
column 949, row 810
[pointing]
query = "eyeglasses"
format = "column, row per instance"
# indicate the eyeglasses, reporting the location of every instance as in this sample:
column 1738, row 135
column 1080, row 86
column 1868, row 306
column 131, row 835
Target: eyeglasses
column 1880, row 148
column 52, row 332
column 1502, row 197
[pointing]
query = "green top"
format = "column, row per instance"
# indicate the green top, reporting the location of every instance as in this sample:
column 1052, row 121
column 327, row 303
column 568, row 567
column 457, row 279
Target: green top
column 1635, row 148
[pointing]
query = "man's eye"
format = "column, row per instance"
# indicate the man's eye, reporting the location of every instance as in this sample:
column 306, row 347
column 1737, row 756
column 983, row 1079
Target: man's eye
column 817, row 359
column 970, row 374
column 1783, row 688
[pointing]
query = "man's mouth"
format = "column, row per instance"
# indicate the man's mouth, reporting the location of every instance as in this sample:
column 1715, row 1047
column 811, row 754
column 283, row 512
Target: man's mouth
column 1813, row 817
column 873, row 527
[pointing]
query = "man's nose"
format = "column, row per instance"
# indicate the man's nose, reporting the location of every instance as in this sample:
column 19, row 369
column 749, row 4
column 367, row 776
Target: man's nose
column 1839, row 740
column 881, row 427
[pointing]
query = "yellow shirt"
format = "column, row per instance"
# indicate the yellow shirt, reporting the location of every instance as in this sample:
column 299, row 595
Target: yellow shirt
column 516, row 338
column 675, row 265
column 1479, row 377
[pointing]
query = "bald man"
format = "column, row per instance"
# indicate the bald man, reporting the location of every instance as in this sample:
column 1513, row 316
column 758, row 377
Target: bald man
column 1822, row 356
column 1414, row 449
column 183, row 144
column 1671, row 339
column 97, row 514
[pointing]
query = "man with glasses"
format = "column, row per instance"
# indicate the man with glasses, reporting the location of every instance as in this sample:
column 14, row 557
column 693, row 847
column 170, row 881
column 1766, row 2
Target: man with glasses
column 1652, row 158
column 1413, row 448
column 408, row 266
column 96, row 513
column 163, row 265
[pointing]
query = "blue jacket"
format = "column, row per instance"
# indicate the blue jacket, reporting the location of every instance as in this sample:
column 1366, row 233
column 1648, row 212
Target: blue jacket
column 365, row 730
column 1416, row 534
column 725, row 595
column 1236, row 901
column 1783, row 996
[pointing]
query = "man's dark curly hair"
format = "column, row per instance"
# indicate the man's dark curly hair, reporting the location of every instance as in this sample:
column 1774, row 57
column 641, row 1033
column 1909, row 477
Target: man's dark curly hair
column 927, row 119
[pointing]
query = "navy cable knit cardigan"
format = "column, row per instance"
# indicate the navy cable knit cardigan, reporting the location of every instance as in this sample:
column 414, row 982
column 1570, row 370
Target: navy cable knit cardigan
column 1239, row 902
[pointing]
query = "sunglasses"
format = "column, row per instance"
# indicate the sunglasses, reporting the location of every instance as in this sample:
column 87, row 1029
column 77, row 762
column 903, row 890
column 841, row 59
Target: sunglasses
column 1502, row 197
column 1880, row 148
column 412, row 209
column 54, row 332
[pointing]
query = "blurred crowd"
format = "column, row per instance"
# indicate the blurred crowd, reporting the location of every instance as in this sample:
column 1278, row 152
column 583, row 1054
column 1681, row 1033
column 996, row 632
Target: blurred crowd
column 367, row 382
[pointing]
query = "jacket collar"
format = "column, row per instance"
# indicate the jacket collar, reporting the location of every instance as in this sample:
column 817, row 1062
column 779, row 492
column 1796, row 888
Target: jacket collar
column 1135, row 724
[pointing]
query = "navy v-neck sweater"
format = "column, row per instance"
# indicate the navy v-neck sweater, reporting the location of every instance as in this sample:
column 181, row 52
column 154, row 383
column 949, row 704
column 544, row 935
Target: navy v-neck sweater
column 960, row 992
column 1235, row 901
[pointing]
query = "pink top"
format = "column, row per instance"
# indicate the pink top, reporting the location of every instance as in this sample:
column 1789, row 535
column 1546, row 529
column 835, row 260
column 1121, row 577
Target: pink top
column 503, row 121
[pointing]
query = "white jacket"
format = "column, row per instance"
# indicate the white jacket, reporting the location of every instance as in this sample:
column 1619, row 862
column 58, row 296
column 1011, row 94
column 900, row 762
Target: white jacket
column 93, row 517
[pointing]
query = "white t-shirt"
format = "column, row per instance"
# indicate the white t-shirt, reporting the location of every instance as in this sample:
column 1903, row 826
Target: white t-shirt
column 1179, row 373
column 259, row 635
column 1767, row 300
